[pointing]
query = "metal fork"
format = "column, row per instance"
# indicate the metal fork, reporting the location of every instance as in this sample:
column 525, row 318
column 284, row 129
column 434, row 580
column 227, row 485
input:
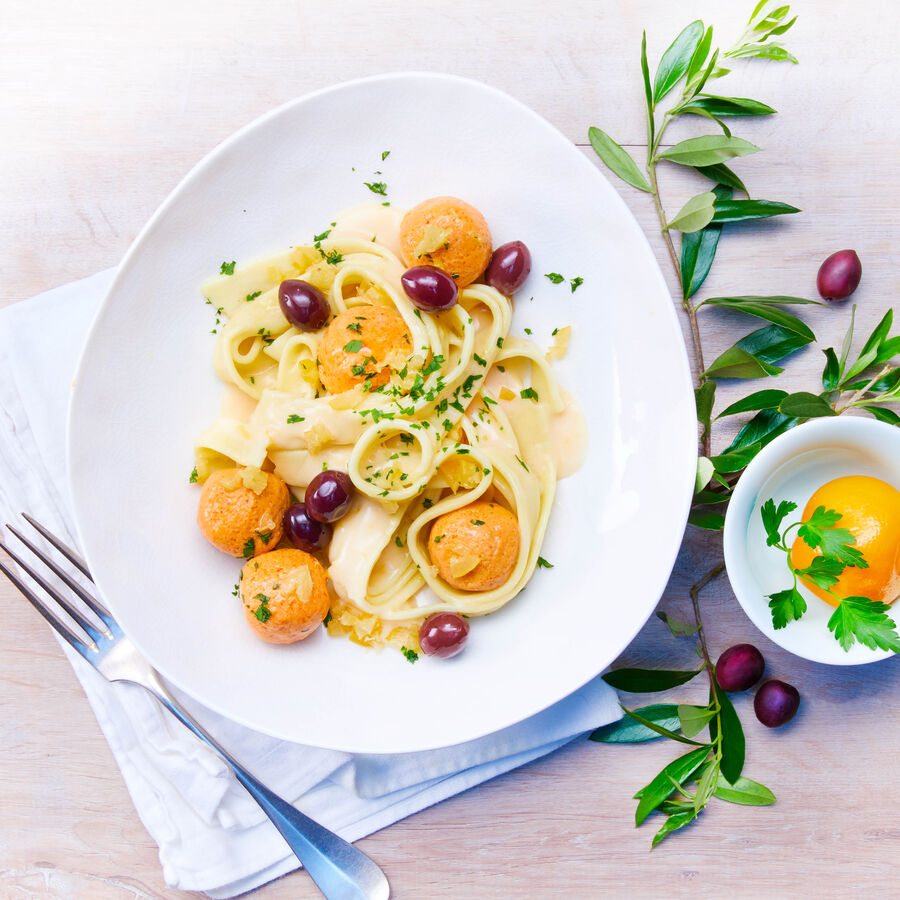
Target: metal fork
column 339, row 870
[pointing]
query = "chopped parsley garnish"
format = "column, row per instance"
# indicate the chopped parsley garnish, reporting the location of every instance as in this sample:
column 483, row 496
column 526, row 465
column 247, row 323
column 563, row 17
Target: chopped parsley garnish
column 194, row 476
column 527, row 331
column 529, row 394
column 522, row 463
column 427, row 503
column 543, row 564
column 334, row 257
column 249, row 548
column 353, row 346
column 251, row 297
column 555, row 277
column 398, row 542
column 262, row 612
column 355, row 326
column 437, row 540
column 293, row 418
column 477, row 521
column 576, row 283
column 411, row 655
column 554, row 333
column 377, row 187
column 227, row 268
column 500, row 342
column 236, row 590
column 264, row 536
column 480, row 360
column 385, row 154
column 327, row 619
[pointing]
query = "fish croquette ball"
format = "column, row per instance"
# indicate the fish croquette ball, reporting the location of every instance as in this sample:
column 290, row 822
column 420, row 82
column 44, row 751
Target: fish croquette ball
column 235, row 518
column 475, row 548
column 284, row 595
column 448, row 233
column 377, row 331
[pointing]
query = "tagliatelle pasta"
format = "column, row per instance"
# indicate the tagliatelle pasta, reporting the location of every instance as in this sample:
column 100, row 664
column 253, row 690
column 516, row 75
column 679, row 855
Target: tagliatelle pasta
column 466, row 412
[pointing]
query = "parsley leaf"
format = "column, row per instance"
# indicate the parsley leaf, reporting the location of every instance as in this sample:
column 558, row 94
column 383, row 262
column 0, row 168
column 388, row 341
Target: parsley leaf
column 543, row 564
column 194, row 476
column 823, row 572
column 249, row 548
column 251, row 297
column 576, row 283
column 411, row 655
column 377, row 187
column 866, row 621
column 353, row 346
column 529, row 394
column 385, row 154
column 819, row 531
column 555, row 277
column 262, row 612
column 773, row 516
column 786, row 606
column 293, row 418
column 227, row 268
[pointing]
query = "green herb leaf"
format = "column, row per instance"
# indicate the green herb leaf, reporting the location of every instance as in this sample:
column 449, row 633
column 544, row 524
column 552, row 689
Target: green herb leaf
column 831, row 373
column 673, row 823
column 772, row 343
column 706, row 786
column 660, row 788
column 675, row 61
column 866, row 621
column 733, row 742
column 705, row 470
column 697, row 213
column 353, row 346
column 711, row 521
column 745, row 792
column 555, row 277
column 767, row 308
column 249, row 548
column 648, row 91
column 754, row 402
column 819, row 531
column 707, row 150
column 804, row 405
column 823, row 572
column 726, row 106
column 738, row 363
column 764, row 51
column 721, row 174
column 705, row 397
column 647, row 681
column 698, row 250
column 772, row 518
column 227, row 268
column 617, row 159
column 882, row 414
column 786, row 606
column 694, row 719
column 543, row 564
column 376, row 187
column 629, row 730
column 411, row 655
column 748, row 210
column 699, row 56
column 293, row 418
column 764, row 427
column 194, row 476
column 677, row 627
column 659, row 729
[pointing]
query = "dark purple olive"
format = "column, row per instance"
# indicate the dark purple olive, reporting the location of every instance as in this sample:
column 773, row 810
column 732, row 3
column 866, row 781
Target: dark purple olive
column 839, row 275
column 303, row 306
column 430, row 289
column 509, row 267
column 443, row 634
column 739, row 668
column 776, row 703
column 303, row 531
column 329, row 495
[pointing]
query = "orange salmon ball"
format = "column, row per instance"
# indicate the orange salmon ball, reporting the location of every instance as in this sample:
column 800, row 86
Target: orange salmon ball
column 242, row 520
column 284, row 595
column 356, row 347
column 475, row 548
column 448, row 233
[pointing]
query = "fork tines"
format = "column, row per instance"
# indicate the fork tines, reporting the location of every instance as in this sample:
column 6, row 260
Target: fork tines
column 89, row 621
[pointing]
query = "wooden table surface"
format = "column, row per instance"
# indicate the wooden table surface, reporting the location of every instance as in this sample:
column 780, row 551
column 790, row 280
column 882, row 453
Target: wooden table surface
column 106, row 105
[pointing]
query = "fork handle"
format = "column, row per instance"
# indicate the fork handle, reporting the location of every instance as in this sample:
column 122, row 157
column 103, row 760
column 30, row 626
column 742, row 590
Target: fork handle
column 340, row 871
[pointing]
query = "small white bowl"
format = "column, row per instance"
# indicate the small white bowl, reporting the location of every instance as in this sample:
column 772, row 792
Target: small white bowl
column 792, row 467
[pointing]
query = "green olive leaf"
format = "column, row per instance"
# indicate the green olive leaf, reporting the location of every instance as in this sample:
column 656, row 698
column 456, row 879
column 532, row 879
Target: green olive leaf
column 804, row 405
column 755, row 402
column 617, row 159
column 675, row 61
column 772, row 343
column 726, row 106
column 659, row 729
column 882, row 414
column 697, row 213
column 831, row 373
column 738, row 363
column 673, row 823
column 705, row 397
column 750, row 210
column 766, row 310
column 660, row 788
column 705, row 471
column 699, row 57
column 711, row 521
column 733, row 742
column 647, row 681
column 721, row 174
column 629, row 730
column 694, row 718
column 744, row 791
column 707, row 150
column 764, row 427
column 706, row 786
column 648, row 91
column 735, row 460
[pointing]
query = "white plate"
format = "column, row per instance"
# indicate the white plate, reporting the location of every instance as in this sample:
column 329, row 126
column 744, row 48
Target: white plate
column 793, row 467
column 146, row 387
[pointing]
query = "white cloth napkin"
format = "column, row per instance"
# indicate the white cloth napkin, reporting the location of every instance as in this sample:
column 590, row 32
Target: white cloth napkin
column 212, row 837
